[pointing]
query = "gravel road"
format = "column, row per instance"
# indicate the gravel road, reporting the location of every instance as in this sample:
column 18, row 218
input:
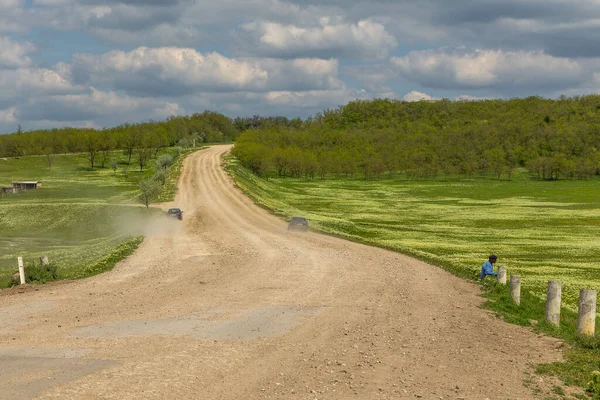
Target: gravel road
column 227, row 304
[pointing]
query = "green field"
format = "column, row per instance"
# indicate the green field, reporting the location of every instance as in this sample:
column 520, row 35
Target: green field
column 82, row 220
column 542, row 230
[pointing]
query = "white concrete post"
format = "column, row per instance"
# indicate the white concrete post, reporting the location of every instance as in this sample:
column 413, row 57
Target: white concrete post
column 502, row 275
column 43, row 261
column 21, row 270
column 515, row 288
column 586, row 322
column 553, row 300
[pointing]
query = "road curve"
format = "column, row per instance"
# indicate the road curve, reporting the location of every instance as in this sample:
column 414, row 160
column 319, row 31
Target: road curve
column 229, row 305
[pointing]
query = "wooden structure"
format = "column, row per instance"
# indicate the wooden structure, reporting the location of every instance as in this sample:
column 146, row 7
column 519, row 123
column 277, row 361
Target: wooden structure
column 26, row 185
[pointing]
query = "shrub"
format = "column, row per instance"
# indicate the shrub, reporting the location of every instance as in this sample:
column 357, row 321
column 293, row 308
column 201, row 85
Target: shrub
column 594, row 385
column 35, row 273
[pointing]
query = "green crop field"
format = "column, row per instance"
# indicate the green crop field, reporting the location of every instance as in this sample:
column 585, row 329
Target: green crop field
column 542, row 230
column 82, row 220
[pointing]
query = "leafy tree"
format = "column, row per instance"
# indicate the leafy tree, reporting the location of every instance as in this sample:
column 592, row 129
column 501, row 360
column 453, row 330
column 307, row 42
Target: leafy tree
column 164, row 161
column 160, row 176
column 91, row 144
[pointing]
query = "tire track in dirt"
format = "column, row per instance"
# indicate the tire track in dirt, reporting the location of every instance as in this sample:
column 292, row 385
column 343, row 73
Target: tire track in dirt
column 227, row 304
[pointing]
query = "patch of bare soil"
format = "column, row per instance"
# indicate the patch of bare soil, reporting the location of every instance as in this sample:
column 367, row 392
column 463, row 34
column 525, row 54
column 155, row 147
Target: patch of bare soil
column 229, row 305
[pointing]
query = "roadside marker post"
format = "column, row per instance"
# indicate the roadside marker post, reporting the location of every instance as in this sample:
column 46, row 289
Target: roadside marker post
column 21, row 270
column 586, row 321
column 515, row 288
column 553, row 301
column 502, row 275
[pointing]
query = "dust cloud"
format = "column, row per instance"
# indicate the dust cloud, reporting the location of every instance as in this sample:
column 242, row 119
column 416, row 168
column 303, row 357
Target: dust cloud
column 148, row 223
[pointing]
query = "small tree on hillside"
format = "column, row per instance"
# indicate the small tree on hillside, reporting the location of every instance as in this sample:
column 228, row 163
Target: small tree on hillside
column 49, row 156
column 91, row 143
column 148, row 189
column 160, row 176
column 105, row 145
column 164, row 162
column 143, row 154
column 114, row 164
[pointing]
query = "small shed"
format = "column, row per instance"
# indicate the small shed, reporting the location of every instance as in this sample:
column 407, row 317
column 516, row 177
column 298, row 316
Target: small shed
column 26, row 185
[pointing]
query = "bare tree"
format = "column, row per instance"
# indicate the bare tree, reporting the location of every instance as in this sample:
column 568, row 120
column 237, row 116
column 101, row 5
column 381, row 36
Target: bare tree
column 91, row 146
column 49, row 156
column 114, row 164
column 148, row 189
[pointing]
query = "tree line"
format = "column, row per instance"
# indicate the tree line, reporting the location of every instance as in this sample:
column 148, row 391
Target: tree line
column 139, row 142
column 552, row 139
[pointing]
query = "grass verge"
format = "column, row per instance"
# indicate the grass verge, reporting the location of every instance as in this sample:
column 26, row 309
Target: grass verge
column 169, row 189
column 541, row 230
column 84, row 220
column 582, row 354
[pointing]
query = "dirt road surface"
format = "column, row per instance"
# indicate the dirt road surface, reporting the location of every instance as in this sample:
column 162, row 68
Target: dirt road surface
column 227, row 304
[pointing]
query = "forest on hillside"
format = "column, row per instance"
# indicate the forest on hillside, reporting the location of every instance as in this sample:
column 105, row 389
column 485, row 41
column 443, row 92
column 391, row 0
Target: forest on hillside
column 553, row 139
column 139, row 142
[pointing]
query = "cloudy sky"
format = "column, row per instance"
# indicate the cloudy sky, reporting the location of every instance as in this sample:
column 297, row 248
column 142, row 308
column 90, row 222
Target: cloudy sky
column 104, row 62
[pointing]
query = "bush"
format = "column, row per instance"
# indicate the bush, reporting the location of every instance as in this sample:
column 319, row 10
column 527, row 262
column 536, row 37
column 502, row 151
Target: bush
column 594, row 385
column 35, row 273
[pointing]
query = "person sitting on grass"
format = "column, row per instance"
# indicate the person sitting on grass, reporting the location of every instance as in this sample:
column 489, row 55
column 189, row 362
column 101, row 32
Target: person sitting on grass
column 488, row 267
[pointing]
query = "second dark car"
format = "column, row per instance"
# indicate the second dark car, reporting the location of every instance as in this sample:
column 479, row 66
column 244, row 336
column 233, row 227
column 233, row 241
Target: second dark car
column 298, row 224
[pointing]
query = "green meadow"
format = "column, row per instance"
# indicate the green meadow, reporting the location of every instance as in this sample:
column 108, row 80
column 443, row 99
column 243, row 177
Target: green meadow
column 542, row 230
column 83, row 220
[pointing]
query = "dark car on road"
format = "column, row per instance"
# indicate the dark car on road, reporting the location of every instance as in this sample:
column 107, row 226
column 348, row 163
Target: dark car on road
column 298, row 224
column 175, row 213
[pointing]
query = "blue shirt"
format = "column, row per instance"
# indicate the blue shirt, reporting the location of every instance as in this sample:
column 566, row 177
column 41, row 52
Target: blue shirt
column 487, row 269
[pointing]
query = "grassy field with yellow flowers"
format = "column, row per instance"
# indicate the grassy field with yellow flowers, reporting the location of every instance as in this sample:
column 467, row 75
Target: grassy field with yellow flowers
column 541, row 230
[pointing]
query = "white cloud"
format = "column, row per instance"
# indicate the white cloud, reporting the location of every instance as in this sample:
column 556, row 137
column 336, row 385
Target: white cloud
column 97, row 105
column 417, row 96
column 167, row 69
column 300, row 74
column 504, row 70
column 466, row 97
column 8, row 115
column 22, row 83
column 365, row 38
column 14, row 54
column 170, row 71
column 8, row 4
column 161, row 35
column 318, row 99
